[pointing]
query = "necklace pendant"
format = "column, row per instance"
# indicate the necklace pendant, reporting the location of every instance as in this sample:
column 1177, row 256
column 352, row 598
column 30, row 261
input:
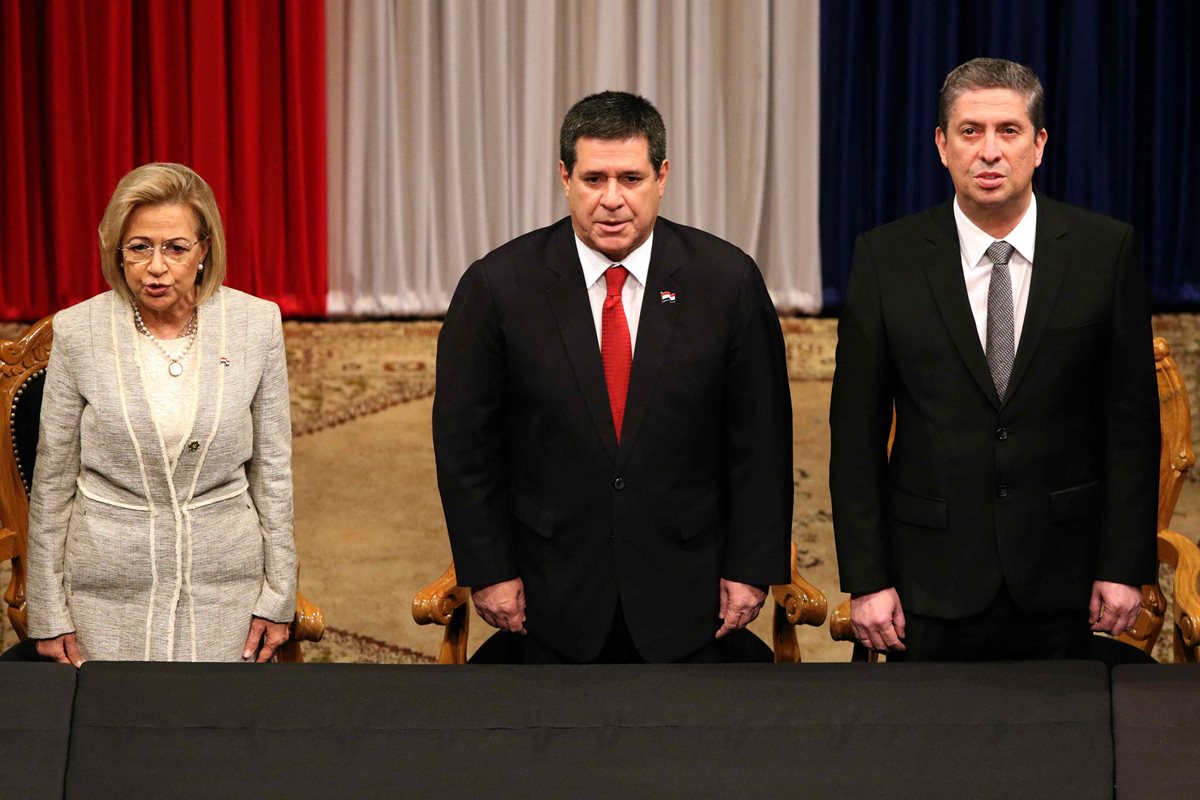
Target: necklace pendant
column 176, row 369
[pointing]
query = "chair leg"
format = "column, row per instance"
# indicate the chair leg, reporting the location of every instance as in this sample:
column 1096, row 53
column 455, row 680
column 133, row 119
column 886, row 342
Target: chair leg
column 290, row 653
column 14, row 597
column 454, row 642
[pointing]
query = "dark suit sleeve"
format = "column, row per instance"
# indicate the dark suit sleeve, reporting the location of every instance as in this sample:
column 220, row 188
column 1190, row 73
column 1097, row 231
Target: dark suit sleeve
column 1128, row 549
column 860, row 416
column 468, row 434
column 758, row 410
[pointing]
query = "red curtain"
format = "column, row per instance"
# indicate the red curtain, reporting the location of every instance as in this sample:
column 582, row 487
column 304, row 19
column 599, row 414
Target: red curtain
column 235, row 89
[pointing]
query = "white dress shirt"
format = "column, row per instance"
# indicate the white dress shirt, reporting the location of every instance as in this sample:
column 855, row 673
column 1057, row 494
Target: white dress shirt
column 977, row 267
column 596, row 264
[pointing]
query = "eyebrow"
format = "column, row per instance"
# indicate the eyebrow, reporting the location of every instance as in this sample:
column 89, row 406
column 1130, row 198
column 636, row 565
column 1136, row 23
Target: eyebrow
column 1016, row 123
column 622, row 173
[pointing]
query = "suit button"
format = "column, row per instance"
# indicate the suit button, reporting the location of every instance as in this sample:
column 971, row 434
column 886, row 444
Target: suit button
column 1002, row 433
column 1002, row 491
column 619, row 484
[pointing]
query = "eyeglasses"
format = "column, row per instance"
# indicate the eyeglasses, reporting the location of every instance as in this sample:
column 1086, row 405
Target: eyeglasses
column 174, row 250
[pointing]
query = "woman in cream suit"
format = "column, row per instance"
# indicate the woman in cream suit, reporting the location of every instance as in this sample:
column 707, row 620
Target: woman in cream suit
column 160, row 523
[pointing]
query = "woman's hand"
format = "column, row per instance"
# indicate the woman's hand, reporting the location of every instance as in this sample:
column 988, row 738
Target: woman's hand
column 270, row 635
column 62, row 649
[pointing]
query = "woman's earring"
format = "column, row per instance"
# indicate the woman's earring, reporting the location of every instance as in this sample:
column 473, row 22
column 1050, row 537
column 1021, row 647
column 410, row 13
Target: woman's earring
column 200, row 273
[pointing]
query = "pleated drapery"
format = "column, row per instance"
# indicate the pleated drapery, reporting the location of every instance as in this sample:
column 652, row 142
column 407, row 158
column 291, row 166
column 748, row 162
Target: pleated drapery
column 1122, row 80
column 443, row 131
column 235, row 90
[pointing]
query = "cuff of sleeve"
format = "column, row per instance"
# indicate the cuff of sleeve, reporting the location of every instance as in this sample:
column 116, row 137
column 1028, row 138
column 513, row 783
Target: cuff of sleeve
column 275, row 606
column 48, row 626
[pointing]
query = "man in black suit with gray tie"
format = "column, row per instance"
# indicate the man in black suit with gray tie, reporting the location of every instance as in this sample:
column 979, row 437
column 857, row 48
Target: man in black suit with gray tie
column 612, row 420
column 1011, row 335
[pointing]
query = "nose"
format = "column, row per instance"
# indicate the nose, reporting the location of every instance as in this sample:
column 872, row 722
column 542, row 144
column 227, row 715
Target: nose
column 158, row 263
column 612, row 195
column 991, row 148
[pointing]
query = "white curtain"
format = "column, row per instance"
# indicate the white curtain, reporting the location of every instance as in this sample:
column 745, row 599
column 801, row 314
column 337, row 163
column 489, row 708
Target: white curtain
column 443, row 131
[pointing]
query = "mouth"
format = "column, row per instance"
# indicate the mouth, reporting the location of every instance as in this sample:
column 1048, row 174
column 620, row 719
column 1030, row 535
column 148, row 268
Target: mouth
column 612, row 226
column 156, row 289
column 989, row 180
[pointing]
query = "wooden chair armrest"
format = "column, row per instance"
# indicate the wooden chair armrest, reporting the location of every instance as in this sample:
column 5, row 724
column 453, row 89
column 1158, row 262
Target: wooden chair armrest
column 1183, row 555
column 309, row 623
column 796, row 603
column 839, row 623
column 438, row 601
column 840, row 630
column 801, row 602
column 444, row 602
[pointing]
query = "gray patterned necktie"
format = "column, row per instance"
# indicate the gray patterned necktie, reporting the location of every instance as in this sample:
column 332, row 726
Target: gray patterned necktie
column 1001, row 339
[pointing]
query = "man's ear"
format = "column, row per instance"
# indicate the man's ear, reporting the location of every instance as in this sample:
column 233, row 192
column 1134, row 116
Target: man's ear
column 1042, row 136
column 565, row 177
column 939, row 138
column 663, row 169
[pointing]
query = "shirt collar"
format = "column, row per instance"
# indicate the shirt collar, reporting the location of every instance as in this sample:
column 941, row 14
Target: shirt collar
column 974, row 242
column 595, row 264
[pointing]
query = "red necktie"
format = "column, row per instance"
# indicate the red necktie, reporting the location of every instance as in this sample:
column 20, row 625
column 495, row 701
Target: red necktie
column 616, row 351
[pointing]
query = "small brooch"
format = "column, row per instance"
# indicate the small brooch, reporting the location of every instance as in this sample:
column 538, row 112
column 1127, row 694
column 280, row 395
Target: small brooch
column 193, row 445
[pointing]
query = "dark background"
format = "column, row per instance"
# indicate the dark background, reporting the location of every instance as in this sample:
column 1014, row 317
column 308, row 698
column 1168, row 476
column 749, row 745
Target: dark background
column 1122, row 81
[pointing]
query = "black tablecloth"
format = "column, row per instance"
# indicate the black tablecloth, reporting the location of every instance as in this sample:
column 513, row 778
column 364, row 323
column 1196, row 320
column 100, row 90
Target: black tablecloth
column 761, row 731
column 1156, row 731
column 35, row 717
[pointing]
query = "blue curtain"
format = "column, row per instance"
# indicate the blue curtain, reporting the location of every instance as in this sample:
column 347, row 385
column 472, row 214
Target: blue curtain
column 1122, row 82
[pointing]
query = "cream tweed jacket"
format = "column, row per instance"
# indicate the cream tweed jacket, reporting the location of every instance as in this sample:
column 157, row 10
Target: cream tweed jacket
column 142, row 562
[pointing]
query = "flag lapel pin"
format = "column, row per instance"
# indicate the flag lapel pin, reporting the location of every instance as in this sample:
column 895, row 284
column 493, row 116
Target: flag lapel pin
column 666, row 297
column 225, row 362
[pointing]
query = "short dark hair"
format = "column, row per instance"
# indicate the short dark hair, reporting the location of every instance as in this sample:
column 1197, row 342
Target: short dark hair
column 613, row 115
column 992, row 73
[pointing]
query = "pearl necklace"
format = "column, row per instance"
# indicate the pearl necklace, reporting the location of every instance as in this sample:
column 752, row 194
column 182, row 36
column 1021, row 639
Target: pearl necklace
column 174, row 365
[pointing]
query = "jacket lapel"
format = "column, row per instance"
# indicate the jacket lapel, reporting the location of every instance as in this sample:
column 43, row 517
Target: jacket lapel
column 136, row 404
column 573, row 313
column 1050, row 267
column 943, row 270
column 655, row 326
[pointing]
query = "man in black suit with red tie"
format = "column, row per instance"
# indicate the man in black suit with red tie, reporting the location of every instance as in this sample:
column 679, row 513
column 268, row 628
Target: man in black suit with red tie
column 612, row 420
column 1011, row 335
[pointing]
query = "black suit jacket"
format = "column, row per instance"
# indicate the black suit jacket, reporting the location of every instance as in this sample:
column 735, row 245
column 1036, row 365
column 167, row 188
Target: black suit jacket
column 1049, row 491
column 533, row 482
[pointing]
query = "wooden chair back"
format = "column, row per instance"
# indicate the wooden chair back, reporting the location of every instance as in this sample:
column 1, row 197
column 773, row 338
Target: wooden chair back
column 22, row 374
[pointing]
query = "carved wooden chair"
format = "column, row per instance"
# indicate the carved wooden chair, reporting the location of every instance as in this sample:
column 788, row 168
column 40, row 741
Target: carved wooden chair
column 22, row 375
column 444, row 602
column 1176, row 551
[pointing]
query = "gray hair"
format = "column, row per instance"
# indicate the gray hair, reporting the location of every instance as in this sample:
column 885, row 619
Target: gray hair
column 992, row 73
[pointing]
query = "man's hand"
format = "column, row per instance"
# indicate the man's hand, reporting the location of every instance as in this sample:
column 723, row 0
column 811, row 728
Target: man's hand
column 272, row 636
column 878, row 620
column 502, row 605
column 1114, row 607
column 740, row 604
column 62, row 649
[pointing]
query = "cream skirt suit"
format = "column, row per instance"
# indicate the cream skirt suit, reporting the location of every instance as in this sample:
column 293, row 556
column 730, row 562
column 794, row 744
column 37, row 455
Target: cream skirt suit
column 145, row 561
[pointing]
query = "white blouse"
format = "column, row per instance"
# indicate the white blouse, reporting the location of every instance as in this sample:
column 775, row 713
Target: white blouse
column 172, row 400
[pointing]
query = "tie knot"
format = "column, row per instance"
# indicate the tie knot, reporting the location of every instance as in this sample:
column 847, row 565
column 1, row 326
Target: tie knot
column 615, row 278
column 1000, row 252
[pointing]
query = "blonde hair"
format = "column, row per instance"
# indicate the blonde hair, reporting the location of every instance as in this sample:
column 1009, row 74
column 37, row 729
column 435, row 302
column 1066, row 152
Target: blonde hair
column 162, row 183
